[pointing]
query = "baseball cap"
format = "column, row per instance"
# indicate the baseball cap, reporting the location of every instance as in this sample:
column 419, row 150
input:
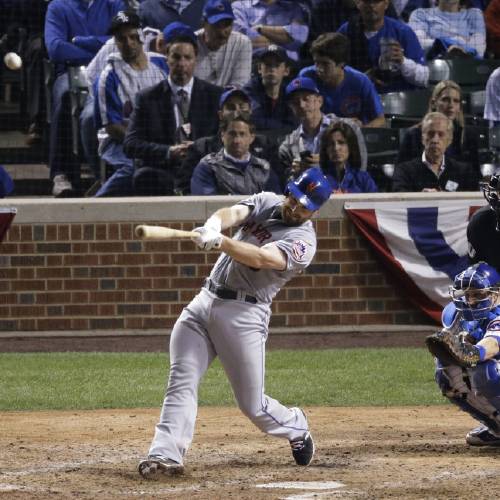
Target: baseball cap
column 230, row 93
column 272, row 50
column 217, row 10
column 178, row 30
column 124, row 18
column 301, row 83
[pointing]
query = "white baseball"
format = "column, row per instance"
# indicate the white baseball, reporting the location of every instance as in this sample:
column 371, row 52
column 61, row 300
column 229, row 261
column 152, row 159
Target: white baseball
column 12, row 61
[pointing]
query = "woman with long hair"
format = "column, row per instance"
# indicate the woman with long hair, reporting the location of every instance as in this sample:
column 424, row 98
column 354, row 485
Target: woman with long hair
column 447, row 99
column 343, row 158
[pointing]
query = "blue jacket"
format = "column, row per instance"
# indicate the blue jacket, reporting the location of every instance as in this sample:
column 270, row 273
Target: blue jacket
column 354, row 181
column 74, row 32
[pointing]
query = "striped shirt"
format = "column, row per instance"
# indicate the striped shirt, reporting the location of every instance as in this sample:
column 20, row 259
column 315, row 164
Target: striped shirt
column 119, row 83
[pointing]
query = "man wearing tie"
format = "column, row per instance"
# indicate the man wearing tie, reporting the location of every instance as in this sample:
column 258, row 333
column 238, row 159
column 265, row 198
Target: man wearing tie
column 170, row 115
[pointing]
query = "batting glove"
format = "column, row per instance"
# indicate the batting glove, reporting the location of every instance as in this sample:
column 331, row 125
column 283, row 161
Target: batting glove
column 207, row 239
column 214, row 223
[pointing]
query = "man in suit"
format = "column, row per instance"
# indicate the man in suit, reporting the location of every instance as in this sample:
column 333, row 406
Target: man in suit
column 433, row 171
column 169, row 116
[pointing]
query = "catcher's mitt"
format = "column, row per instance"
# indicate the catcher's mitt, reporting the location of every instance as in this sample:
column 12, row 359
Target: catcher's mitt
column 452, row 349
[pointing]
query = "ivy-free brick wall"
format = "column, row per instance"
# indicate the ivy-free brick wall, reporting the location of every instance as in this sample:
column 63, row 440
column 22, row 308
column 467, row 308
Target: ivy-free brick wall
column 74, row 265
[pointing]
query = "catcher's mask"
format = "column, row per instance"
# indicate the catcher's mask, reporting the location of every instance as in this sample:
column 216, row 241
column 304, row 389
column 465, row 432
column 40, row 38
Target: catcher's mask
column 491, row 191
column 474, row 291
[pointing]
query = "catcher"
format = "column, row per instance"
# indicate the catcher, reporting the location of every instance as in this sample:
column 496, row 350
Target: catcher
column 467, row 350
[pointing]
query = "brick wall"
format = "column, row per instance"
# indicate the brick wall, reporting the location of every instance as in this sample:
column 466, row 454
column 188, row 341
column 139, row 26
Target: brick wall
column 61, row 270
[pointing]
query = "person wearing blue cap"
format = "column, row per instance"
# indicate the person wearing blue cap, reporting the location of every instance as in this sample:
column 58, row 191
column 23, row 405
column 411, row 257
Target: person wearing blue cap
column 168, row 116
column 270, row 111
column 274, row 240
column 159, row 13
column 300, row 149
column 224, row 55
column 233, row 102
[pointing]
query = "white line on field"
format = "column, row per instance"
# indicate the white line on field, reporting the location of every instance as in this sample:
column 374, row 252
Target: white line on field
column 304, row 485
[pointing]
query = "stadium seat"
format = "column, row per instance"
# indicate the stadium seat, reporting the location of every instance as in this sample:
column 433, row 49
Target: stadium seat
column 403, row 109
column 474, row 103
column 494, row 138
column 78, row 89
column 49, row 77
column 382, row 145
column 470, row 74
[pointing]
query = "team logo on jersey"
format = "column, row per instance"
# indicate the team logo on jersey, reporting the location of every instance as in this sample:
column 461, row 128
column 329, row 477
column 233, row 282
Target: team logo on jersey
column 299, row 249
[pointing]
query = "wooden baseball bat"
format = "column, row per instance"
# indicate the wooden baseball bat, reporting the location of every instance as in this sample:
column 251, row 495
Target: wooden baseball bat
column 161, row 233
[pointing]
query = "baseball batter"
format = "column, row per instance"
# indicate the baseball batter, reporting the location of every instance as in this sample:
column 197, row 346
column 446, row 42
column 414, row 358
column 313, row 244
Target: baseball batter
column 229, row 318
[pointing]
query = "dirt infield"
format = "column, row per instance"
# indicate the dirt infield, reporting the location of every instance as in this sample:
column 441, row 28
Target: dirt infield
column 365, row 453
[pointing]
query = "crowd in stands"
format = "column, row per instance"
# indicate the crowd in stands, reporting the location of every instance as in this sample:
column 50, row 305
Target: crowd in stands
column 202, row 97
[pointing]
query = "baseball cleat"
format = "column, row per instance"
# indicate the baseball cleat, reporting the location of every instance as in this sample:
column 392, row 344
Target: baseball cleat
column 153, row 466
column 482, row 436
column 303, row 449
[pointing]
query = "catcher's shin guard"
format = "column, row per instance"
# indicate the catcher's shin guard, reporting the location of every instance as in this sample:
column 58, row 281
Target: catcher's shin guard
column 455, row 384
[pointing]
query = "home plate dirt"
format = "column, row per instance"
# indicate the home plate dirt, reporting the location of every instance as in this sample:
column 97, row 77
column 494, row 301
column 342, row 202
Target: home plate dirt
column 374, row 453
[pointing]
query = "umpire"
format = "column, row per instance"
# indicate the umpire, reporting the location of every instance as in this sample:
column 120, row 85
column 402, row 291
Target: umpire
column 483, row 231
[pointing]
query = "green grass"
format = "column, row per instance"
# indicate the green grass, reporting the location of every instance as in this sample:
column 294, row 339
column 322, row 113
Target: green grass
column 344, row 377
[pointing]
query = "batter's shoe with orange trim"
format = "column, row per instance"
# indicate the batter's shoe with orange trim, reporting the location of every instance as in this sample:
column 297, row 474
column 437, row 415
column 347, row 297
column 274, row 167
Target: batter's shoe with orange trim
column 303, row 449
column 153, row 466
column 482, row 436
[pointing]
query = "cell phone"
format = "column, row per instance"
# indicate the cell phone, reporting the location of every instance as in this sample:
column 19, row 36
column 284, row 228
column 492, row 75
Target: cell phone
column 305, row 154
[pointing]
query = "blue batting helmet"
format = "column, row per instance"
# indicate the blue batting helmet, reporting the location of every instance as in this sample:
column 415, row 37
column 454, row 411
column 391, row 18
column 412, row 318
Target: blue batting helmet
column 311, row 189
column 475, row 291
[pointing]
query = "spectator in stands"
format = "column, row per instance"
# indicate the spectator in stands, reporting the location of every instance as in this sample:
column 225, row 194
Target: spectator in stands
column 450, row 30
column 386, row 49
column 346, row 92
column 127, row 72
column 343, row 158
column 446, row 98
column 433, row 171
column 160, row 13
column 21, row 32
column 404, row 8
column 300, row 149
column 492, row 104
column 278, row 22
column 233, row 169
column 88, row 131
column 170, row 115
column 224, row 55
column 270, row 110
column 492, row 21
column 233, row 103
column 6, row 183
column 74, row 31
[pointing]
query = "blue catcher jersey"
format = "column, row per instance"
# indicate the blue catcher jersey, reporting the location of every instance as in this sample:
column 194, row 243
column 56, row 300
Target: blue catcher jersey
column 487, row 327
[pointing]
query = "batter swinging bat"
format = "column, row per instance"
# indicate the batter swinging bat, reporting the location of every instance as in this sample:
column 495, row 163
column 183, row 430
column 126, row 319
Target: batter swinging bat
column 161, row 233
